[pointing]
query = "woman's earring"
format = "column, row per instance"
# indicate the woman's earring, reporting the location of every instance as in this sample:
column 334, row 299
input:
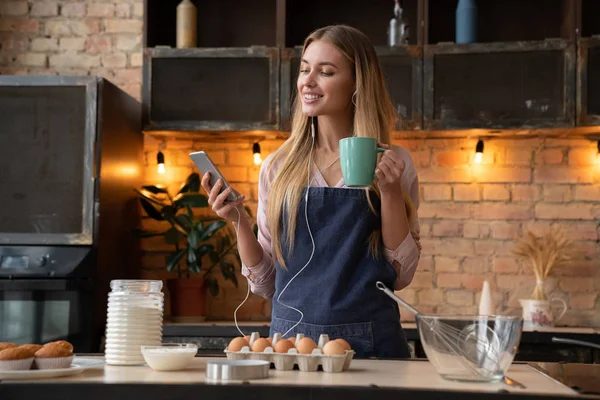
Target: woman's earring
column 354, row 98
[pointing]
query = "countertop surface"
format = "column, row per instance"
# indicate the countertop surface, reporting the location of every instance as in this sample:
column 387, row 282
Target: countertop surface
column 395, row 376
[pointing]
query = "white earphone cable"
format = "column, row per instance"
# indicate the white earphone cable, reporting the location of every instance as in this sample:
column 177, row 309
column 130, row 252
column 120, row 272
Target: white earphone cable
column 248, row 293
column 309, row 232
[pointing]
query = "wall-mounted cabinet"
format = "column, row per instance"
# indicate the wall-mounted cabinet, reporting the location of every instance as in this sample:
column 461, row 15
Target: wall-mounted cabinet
column 588, row 82
column 500, row 85
column 211, row 89
column 523, row 72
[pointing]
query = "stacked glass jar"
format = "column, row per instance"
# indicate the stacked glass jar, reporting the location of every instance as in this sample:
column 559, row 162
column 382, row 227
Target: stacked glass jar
column 134, row 319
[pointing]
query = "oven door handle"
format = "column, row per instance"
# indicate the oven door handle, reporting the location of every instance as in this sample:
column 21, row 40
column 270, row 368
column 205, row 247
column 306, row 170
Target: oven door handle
column 45, row 284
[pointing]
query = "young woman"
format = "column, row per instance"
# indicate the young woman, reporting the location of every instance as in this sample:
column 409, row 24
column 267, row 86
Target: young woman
column 322, row 246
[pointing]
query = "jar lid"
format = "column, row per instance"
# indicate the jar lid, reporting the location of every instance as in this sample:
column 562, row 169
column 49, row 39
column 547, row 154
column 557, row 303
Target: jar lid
column 136, row 285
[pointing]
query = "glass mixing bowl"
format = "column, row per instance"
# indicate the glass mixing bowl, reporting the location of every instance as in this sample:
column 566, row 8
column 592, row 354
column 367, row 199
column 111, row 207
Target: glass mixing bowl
column 470, row 348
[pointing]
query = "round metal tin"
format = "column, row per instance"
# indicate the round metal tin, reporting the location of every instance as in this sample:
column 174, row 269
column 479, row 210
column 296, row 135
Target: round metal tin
column 236, row 370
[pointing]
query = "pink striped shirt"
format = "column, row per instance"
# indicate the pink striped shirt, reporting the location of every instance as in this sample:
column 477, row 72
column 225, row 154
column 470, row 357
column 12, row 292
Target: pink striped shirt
column 261, row 277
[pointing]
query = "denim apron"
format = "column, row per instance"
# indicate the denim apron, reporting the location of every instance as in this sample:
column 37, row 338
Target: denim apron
column 336, row 291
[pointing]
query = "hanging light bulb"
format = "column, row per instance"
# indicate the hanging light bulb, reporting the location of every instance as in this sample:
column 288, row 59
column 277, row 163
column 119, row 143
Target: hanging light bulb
column 160, row 160
column 479, row 152
column 598, row 153
column 256, row 153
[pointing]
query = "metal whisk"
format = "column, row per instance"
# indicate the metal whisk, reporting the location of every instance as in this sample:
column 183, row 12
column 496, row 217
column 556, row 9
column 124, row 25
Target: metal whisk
column 477, row 346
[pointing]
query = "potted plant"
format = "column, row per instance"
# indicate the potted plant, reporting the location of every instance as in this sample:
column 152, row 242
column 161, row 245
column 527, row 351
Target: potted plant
column 202, row 246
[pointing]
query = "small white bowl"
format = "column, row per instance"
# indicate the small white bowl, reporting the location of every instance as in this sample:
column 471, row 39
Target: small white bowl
column 169, row 356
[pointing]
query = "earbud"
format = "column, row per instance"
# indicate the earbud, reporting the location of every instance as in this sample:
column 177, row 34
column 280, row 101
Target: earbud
column 312, row 127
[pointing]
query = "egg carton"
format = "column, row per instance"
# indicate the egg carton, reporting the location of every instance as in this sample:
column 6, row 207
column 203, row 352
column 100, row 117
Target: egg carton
column 287, row 361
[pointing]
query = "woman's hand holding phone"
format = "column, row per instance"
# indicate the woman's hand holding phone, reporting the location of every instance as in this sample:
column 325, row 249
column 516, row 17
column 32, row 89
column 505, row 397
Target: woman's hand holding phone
column 218, row 201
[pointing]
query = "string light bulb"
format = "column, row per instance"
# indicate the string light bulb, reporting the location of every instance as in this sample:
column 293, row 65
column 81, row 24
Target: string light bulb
column 160, row 160
column 479, row 152
column 598, row 152
column 256, row 153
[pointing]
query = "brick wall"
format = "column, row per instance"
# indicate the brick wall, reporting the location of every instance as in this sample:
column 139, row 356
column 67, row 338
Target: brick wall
column 100, row 38
column 470, row 214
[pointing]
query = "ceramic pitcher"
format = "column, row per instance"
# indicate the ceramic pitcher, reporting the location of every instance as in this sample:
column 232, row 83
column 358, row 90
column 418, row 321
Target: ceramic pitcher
column 539, row 313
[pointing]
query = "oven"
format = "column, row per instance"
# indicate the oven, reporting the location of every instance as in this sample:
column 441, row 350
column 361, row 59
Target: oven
column 47, row 294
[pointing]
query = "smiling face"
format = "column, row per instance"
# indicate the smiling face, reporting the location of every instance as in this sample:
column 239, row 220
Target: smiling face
column 326, row 80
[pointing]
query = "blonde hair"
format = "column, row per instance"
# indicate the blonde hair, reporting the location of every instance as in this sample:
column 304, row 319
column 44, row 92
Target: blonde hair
column 374, row 116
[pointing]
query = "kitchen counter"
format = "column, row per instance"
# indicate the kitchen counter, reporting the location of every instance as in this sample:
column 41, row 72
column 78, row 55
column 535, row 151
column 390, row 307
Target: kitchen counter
column 383, row 379
column 536, row 345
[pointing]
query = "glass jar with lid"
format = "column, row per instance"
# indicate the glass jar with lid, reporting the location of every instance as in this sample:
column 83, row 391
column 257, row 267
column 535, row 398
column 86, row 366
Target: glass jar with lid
column 134, row 319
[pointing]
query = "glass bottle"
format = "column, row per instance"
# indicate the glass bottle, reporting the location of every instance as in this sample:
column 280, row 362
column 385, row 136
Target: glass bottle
column 134, row 319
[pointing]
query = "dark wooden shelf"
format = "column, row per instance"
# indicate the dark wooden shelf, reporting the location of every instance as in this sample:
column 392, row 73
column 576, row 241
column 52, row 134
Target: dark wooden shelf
column 371, row 17
column 504, row 20
column 590, row 18
column 221, row 23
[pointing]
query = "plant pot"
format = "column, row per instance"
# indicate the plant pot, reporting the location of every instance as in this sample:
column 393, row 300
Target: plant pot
column 188, row 299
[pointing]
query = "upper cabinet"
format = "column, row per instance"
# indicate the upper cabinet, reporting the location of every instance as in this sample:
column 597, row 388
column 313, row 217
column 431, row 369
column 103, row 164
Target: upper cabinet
column 532, row 63
column 211, row 89
column 588, row 74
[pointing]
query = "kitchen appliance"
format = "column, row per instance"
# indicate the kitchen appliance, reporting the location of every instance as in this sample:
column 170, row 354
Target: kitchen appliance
column 71, row 152
column 467, row 348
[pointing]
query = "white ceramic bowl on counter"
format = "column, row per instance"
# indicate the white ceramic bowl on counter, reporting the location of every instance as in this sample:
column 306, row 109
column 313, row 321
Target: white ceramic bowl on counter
column 169, row 356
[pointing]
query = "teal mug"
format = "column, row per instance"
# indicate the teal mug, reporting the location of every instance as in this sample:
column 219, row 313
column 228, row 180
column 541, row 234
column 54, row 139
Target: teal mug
column 358, row 157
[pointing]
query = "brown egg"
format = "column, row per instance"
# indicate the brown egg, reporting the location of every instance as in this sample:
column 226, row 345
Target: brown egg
column 283, row 346
column 247, row 338
column 292, row 340
column 333, row 347
column 260, row 345
column 306, row 345
column 270, row 339
column 237, row 344
column 344, row 343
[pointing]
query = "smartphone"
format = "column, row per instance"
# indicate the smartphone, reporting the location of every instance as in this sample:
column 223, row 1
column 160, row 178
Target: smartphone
column 205, row 164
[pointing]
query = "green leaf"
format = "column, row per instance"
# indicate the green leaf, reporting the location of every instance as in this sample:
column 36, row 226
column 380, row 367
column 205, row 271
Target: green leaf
column 192, row 239
column 185, row 221
column 194, row 267
column 191, row 185
column 155, row 189
column 191, row 255
column 170, row 215
column 151, row 210
column 191, row 199
column 174, row 259
column 173, row 236
column 213, row 286
column 146, row 194
column 228, row 272
column 199, row 226
column 211, row 229
column 190, row 212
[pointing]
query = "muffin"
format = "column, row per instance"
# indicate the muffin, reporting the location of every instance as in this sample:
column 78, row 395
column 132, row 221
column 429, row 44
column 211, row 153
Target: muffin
column 31, row 347
column 7, row 345
column 53, row 356
column 62, row 343
column 15, row 359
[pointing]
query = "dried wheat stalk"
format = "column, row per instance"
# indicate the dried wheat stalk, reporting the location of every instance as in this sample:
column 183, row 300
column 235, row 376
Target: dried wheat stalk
column 553, row 250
